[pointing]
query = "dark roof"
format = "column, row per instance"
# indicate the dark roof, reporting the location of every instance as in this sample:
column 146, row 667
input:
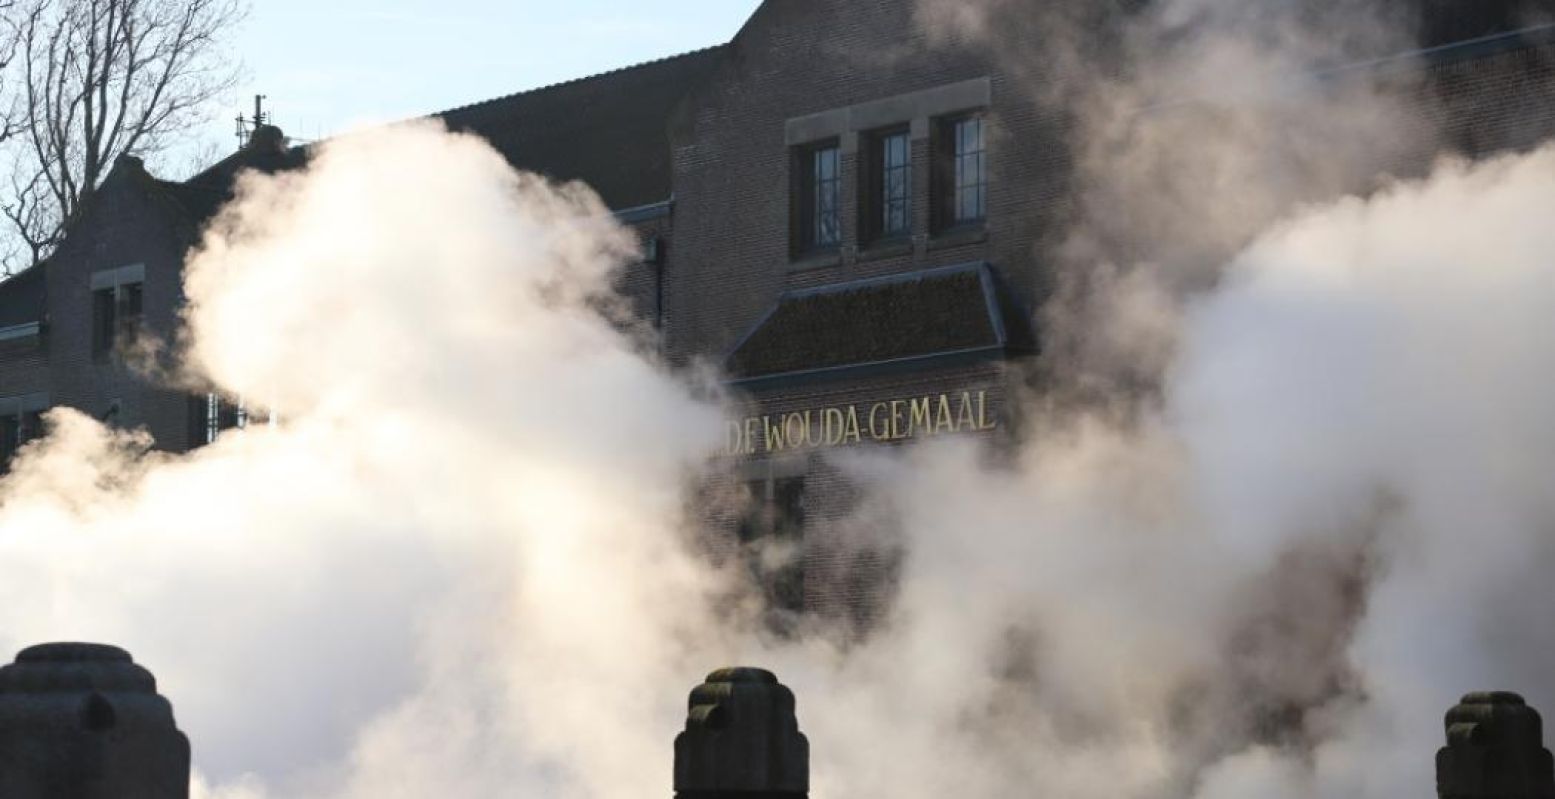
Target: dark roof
column 1433, row 23
column 267, row 151
column 198, row 198
column 937, row 312
column 197, row 203
column 1448, row 21
column 610, row 131
column 22, row 299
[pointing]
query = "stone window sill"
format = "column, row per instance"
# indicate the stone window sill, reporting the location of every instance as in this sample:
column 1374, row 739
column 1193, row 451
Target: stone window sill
column 890, row 248
column 815, row 260
column 958, row 237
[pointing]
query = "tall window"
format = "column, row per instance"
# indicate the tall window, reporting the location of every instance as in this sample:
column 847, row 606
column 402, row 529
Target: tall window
column 10, row 436
column 962, row 172
column 116, row 316
column 971, row 171
column 888, row 209
column 16, row 429
column 105, row 321
column 130, row 298
column 773, row 529
column 819, row 194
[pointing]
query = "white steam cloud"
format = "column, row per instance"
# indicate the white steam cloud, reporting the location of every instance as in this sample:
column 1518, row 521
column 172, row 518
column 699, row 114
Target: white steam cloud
column 462, row 564
column 1193, row 125
column 1335, row 526
column 456, row 565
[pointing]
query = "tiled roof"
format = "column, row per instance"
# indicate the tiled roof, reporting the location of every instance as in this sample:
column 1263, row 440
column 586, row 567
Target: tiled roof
column 199, row 197
column 937, row 312
column 196, row 202
column 267, row 151
column 610, row 131
column 22, row 298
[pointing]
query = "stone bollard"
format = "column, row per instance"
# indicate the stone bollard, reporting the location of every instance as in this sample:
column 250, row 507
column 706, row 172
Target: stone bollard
column 82, row 721
column 1495, row 750
column 742, row 739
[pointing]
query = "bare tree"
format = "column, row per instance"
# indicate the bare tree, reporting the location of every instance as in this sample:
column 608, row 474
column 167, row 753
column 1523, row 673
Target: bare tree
column 91, row 80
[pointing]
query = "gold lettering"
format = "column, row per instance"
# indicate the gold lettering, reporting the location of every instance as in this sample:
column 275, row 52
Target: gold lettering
column 945, row 421
column 850, row 430
column 750, row 434
column 810, row 427
column 834, row 426
column 922, row 417
column 964, row 420
column 982, row 412
column 736, row 442
column 793, row 430
column 883, row 431
column 840, row 425
column 774, row 435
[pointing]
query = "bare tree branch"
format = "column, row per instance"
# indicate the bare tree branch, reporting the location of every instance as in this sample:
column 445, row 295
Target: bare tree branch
column 83, row 82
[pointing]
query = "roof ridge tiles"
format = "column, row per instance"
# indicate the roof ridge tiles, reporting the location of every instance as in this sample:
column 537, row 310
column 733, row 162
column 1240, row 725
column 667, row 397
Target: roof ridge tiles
column 580, row 79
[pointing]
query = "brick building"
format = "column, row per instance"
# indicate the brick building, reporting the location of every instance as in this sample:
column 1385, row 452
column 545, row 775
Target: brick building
column 857, row 224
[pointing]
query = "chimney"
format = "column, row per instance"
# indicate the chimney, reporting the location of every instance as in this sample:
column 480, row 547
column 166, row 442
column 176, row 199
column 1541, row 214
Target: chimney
column 82, row 721
column 1495, row 750
column 741, row 739
column 266, row 139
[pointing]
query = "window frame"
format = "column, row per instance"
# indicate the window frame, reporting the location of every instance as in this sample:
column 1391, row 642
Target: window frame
column 875, row 209
column 808, row 183
column 775, row 512
column 105, row 321
column 951, row 181
column 118, row 314
column 12, row 437
column 21, row 422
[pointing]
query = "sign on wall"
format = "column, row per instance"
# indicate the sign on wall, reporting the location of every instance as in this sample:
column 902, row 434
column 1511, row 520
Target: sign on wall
column 856, row 423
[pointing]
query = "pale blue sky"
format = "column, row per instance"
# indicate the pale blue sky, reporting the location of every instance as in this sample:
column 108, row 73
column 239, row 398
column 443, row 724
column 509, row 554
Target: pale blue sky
column 330, row 65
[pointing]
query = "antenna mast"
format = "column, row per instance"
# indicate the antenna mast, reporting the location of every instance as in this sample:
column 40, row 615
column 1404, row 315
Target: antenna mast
column 247, row 126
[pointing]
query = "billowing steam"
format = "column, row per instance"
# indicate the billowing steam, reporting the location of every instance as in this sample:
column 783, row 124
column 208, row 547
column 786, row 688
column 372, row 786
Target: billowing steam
column 1337, row 524
column 456, row 565
column 462, row 564
column 1194, row 125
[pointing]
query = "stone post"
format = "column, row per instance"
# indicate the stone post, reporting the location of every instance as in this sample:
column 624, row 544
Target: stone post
column 742, row 739
column 82, row 721
column 1495, row 750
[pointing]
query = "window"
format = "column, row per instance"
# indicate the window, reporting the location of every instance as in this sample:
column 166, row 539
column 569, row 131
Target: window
column 116, row 317
column 129, row 309
column 888, row 188
column 223, row 415
column 961, row 172
column 104, row 321
column 10, row 436
column 16, row 429
column 773, row 529
column 818, row 191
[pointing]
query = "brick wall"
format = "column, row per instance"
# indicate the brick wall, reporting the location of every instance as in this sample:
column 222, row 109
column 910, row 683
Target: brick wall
column 1500, row 101
column 639, row 283
column 127, row 222
column 24, row 366
column 731, row 257
column 847, row 560
column 727, row 249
